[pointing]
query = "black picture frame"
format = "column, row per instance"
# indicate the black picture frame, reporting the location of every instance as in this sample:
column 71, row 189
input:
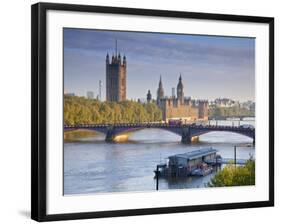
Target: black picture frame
column 38, row 108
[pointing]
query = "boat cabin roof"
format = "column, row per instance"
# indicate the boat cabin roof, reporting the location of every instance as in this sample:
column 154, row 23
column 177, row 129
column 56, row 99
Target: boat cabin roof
column 196, row 154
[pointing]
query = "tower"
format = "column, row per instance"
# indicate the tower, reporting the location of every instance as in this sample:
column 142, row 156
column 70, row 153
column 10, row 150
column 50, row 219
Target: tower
column 180, row 93
column 100, row 85
column 160, row 91
column 116, row 72
column 173, row 92
column 148, row 96
column 203, row 109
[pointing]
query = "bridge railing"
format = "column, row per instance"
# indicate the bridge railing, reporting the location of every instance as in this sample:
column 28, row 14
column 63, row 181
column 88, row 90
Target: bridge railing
column 195, row 126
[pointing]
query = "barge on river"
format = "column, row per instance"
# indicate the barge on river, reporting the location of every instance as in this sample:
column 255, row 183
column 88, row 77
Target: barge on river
column 192, row 163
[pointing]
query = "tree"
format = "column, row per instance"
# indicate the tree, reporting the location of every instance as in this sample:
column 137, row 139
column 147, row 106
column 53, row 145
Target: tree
column 217, row 111
column 79, row 110
column 231, row 175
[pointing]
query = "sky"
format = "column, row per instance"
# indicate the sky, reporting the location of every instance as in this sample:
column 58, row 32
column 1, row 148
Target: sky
column 211, row 66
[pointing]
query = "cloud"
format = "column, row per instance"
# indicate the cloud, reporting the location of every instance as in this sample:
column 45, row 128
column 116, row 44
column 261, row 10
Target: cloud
column 163, row 47
column 221, row 62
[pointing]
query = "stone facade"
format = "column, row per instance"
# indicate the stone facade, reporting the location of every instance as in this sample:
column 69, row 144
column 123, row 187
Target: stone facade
column 116, row 71
column 180, row 107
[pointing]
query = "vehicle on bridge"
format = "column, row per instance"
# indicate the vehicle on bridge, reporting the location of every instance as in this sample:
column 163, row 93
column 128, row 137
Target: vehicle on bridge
column 247, row 126
column 188, row 164
column 175, row 122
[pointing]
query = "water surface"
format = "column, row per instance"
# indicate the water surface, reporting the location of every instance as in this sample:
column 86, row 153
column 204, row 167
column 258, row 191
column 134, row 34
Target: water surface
column 93, row 166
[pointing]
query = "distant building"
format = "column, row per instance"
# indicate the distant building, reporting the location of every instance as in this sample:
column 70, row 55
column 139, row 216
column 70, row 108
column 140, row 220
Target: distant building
column 148, row 96
column 116, row 70
column 224, row 102
column 69, row 94
column 141, row 100
column 179, row 107
column 249, row 105
column 173, row 92
column 253, row 107
column 100, row 86
column 90, row 95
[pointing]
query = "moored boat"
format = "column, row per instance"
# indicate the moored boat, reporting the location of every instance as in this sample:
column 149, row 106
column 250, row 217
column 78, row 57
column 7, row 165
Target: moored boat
column 203, row 170
column 188, row 164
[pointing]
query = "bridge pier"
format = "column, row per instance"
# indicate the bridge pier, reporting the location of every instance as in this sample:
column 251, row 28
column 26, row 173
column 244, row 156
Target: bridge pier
column 186, row 137
column 110, row 135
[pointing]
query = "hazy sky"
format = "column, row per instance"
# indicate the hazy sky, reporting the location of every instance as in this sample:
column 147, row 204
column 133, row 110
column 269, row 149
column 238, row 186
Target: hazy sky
column 211, row 66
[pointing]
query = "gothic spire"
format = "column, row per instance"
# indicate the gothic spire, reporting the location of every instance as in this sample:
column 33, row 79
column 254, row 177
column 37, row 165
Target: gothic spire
column 180, row 93
column 160, row 91
column 180, row 85
column 160, row 82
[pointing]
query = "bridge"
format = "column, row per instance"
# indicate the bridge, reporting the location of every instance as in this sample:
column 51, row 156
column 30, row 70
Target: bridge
column 186, row 131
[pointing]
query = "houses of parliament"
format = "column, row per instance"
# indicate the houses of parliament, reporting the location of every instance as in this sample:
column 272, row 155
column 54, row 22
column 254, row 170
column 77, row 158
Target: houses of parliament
column 175, row 107
column 180, row 107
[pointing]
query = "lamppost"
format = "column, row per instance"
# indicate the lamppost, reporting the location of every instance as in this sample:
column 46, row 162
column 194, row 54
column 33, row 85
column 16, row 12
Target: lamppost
column 157, row 178
column 235, row 155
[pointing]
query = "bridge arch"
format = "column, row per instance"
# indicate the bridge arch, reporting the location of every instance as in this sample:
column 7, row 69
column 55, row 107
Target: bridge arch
column 101, row 131
column 132, row 129
column 122, row 131
column 195, row 133
column 151, row 134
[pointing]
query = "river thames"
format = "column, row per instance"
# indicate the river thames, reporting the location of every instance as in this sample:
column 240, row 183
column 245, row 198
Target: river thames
column 93, row 166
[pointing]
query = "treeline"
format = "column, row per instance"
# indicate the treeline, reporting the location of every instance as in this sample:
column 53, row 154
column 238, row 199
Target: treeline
column 231, row 175
column 235, row 111
column 79, row 110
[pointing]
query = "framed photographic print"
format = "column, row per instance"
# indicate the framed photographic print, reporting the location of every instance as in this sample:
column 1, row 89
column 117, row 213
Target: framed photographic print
column 138, row 111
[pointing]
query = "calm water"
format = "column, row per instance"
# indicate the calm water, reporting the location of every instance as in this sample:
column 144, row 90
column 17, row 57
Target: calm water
column 93, row 166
